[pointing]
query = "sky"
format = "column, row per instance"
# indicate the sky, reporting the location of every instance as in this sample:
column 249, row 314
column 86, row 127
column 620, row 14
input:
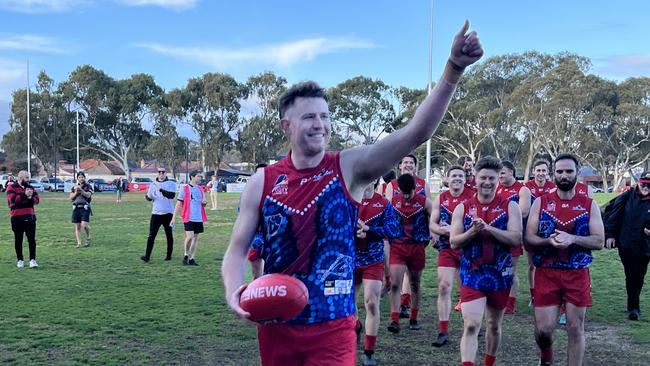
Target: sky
column 328, row 41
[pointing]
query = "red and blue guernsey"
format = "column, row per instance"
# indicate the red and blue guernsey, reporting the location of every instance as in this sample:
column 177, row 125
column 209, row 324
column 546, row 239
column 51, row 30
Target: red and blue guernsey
column 308, row 221
column 571, row 216
column 537, row 191
column 582, row 189
column 448, row 204
column 419, row 187
column 382, row 221
column 486, row 264
column 510, row 193
column 414, row 222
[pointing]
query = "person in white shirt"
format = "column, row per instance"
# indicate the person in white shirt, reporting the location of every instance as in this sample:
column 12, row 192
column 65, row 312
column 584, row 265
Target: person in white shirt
column 161, row 193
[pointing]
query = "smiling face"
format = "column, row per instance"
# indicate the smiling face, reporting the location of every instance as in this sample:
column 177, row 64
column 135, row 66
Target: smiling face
column 486, row 181
column 506, row 177
column 308, row 126
column 456, row 179
column 407, row 166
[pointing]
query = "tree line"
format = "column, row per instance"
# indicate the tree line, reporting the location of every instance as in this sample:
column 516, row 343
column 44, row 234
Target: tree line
column 517, row 107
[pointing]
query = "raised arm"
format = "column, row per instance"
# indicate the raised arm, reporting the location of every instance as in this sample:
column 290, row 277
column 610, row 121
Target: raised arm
column 361, row 165
column 233, row 268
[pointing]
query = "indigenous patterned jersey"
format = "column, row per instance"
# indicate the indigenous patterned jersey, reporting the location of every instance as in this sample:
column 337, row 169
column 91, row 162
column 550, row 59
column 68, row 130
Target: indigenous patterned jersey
column 582, row 189
column 419, row 187
column 309, row 221
column 537, row 191
column 486, row 264
column 571, row 216
column 381, row 218
column 448, row 204
column 413, row 220
column 510, row 193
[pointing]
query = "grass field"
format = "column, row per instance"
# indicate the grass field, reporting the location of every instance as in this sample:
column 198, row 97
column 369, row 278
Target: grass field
column 103, row 306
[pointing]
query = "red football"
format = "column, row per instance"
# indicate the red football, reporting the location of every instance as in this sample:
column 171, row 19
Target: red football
column 274, row 297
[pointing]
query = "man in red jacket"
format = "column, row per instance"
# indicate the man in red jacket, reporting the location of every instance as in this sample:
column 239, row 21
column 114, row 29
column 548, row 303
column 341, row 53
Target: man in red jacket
column 21, row 198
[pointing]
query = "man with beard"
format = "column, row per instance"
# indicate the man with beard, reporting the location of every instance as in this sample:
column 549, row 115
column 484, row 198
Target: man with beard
column 485, row 227
column 512, row 190
column 448, row 258
column 563, row 228
column 408, row 165
column 468, row 166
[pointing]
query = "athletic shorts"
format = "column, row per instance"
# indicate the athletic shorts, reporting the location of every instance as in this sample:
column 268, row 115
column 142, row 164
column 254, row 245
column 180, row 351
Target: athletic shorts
column 554, row 286
column 329, row 343
column 373, row 271
column 411, row 255
column 495, row 299
column 449, row 258
column 517, row 251
column 197, row 227
column 80, row 214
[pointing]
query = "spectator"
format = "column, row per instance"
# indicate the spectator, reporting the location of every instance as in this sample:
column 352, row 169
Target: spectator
column 22, row 197
column 627, row 227
column 161, row 193
column 191, row 198
column 81, row 195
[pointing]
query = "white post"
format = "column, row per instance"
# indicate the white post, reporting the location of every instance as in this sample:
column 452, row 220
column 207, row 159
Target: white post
column 29, row 147
column 428, row 157
column 78, row 167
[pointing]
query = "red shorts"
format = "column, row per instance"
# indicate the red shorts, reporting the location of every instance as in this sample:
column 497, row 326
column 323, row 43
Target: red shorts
column 373, row 271
column 495, row 299
column 253, row 255
column 554, row 286
column 330, row 343
column 411, row 255
column 449, row 258
column 517, row 251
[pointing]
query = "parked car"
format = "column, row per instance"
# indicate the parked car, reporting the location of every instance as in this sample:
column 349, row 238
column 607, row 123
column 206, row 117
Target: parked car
column 242, row 179
column 596, row 189
column 101, row 185
column 37, row 185
column 4, row 180
column 53, row 184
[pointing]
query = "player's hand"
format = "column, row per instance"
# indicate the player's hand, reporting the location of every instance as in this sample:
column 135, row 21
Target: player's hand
column 466, row 48
column 233, row 302
column 446, row 228
column 478, row 225
column 611, row 243
column 361, row 234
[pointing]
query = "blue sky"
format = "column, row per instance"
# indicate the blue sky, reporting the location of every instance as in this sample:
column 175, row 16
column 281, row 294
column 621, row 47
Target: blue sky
column 327, row 41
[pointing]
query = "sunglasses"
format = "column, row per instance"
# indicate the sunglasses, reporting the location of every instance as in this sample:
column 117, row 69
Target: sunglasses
column 644, row 185
column 161, row 172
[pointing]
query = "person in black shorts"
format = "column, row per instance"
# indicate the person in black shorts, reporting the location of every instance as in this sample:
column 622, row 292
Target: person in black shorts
column 81, row 195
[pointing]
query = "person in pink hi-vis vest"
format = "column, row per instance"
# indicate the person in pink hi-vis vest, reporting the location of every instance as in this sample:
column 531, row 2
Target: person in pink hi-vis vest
column 192, row 200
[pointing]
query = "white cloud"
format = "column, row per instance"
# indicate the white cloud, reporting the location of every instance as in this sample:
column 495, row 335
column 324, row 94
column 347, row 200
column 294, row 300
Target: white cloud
column 170, row 4
column 283, row 54
column 40, row 6
column 28, row 42
column 11, row 72
column 622, row 66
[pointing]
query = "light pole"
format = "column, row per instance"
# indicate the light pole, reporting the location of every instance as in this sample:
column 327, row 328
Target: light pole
column 29, row 147
column 78, row 167
column 428, row 158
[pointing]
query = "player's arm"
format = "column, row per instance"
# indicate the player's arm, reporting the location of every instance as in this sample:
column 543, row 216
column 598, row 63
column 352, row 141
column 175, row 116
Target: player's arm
column 512, row 235
column 434, row 225
column 427, row 190
column 360, row 165
column 389, row 227
column 233, row 268
column 533, row 223
column 590, row 192
column 458, row 237
column 596, row 238
column 388, row 194
column 524, row 201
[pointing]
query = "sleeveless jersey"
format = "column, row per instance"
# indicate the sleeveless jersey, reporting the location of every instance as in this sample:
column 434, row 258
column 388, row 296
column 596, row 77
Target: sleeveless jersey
column 471, row 185
column 413, row 220
column 419, row 187
column 537, row 191
column 510, row 193
column 582, row 189
column 448, row 204
column 308, row 222
column 381, row 218
column 486, row 264
column 571, row 216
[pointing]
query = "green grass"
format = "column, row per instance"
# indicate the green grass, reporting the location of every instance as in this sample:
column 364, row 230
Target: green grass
column 102, row 305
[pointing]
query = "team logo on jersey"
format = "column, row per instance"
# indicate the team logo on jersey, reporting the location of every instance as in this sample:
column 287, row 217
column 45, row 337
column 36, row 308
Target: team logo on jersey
column 497, row 209
column 281, row 186
column 484, row 209
column 565, row 205
column 578, row 208
column 398, row 204
column 472, row 211
column 550, row 207
column 446, row 202
column 417, row 205
column 377, row 205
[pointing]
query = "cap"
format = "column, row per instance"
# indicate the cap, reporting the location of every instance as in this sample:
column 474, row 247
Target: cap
column 645, row 177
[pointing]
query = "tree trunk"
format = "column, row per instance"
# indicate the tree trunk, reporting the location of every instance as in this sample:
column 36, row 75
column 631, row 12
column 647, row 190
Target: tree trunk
column 529, row 158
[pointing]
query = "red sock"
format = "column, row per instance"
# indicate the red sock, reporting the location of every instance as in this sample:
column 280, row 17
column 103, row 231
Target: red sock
column 414, row 314
column 370, row 343
column 467, row 363
column 490, row 360
column 444, row 326
column 405, row 300
column 511, row 302
column 394, row 316
column 547, row 355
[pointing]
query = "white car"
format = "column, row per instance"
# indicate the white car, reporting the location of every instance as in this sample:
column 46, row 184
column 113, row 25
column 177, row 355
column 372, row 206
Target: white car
column 37, row 185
